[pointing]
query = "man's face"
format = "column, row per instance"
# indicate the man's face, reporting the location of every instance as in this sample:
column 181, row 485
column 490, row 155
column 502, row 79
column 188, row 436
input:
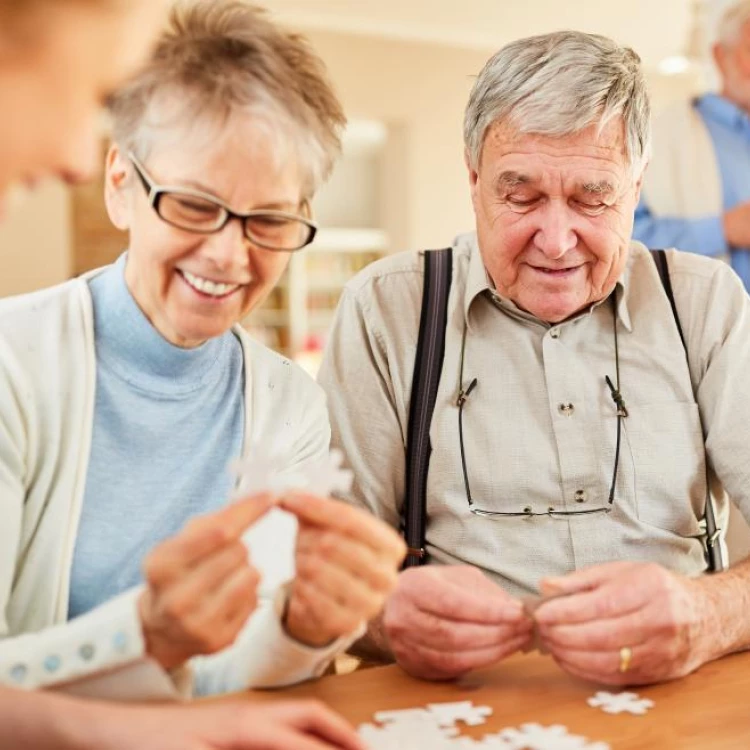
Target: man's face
column 554, row 217
column 733, row 61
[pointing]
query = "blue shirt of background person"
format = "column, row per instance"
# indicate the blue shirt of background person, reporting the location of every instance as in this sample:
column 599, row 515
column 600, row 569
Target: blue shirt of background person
column 729, row 128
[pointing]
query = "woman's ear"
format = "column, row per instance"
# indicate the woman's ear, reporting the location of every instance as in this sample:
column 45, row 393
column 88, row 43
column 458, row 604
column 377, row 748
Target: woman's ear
column 117, row 188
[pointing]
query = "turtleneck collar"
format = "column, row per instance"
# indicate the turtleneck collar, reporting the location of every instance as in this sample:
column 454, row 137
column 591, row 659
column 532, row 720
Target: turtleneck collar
column 129, row 345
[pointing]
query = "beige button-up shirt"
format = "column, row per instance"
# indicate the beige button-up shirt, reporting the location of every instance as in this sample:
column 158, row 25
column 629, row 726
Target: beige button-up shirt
column 540, row 427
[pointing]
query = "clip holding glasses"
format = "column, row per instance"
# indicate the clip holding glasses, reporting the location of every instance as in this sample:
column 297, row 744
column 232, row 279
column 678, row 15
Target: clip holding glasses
column 622, row 410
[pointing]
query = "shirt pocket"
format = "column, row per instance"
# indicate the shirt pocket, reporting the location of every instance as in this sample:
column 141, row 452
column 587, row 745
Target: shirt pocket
column 668, row 462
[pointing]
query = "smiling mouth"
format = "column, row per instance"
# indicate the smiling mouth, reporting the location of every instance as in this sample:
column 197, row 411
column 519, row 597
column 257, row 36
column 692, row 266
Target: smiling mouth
column 215, row 289
column 556, row 272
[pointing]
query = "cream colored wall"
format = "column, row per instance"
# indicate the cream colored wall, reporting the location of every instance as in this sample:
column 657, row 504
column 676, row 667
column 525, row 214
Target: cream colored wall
column 418, row 89
column 35, row 242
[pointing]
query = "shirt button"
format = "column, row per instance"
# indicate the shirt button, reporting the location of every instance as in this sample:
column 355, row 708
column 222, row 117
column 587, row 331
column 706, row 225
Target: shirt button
column 52, row 663
column 566, row 409
column 18, row 673
column 555, row 333
column 86, row 652
column 580, row 496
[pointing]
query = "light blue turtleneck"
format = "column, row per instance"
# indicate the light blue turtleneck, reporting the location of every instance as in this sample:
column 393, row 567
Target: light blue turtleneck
column 166, row 423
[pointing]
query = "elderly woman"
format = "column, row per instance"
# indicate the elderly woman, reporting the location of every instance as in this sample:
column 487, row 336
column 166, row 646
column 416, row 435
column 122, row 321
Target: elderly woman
column 70, row 53
column 126, row 393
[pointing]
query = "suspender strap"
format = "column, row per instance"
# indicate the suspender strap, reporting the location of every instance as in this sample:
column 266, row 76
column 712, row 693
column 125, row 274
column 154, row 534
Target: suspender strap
column 428, row 366
column 714, row 557
column 660, row 257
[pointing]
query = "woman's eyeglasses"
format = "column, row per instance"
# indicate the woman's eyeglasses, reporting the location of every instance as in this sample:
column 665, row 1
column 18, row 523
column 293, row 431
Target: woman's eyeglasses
column 528, row 510
column 198, row 212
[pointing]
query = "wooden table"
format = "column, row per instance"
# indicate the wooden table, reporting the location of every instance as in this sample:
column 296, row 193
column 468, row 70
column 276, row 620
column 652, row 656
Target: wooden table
column 708, row 709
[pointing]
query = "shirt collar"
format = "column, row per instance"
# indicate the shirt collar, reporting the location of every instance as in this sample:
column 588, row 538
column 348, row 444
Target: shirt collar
column 479, row 284
column 723, row 111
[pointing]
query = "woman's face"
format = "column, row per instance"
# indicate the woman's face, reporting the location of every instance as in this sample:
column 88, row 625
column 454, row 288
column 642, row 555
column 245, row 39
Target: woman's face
column 168, row 268
column 58, row 63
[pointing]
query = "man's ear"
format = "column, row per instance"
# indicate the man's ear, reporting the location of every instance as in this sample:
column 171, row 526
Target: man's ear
column 720, row 54
column 473, row 176
column 117, row 188
column 639, row 184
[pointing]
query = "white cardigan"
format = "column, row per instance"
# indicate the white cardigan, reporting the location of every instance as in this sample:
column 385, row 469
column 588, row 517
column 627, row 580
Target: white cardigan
column 47, row 384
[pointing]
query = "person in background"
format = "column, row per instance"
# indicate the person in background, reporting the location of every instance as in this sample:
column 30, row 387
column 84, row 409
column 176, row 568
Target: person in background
column 58, row 62
column 568, row 450
column 696, row 192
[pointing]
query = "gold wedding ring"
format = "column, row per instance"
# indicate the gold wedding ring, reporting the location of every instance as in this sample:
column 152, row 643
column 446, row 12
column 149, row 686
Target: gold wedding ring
column 626, row 655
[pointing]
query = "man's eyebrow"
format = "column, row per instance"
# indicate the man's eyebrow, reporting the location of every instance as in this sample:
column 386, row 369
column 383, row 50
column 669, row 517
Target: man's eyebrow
column 603, row 187
column 510, row 179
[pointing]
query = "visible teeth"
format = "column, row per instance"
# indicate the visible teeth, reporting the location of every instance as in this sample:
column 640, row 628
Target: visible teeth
column 215, row 289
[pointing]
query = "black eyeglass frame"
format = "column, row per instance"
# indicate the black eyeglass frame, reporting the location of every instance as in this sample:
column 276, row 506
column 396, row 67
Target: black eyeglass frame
column 528, row 511
column 155, row 192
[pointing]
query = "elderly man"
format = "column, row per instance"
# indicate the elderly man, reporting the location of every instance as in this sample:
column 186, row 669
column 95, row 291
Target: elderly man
column 573, row 437
column 697, row 192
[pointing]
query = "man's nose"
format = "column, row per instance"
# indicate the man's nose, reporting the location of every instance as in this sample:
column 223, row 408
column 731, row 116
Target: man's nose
column 556, row 234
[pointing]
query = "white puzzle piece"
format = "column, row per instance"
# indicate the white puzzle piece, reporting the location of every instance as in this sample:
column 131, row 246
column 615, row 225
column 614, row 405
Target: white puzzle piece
column 555, row 737
column 328, row 477
column 434, row 728
column 409, row 731
column 447, row 714
column 261, row 472
column 617, row 703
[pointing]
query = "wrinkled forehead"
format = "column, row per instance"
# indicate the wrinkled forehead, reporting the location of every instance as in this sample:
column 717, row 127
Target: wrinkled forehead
column 594, row 159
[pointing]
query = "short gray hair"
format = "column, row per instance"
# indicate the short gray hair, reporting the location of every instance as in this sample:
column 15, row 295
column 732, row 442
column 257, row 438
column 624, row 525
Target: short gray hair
column 557, row 85
column 226, row 55
column 732, row 21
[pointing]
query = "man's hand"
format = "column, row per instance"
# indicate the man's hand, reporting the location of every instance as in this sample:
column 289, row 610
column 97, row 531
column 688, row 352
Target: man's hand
column 656, row 614
column 201, row 587
column 302, row 725
column 736, row 224
column 347, row 563
column 442, row 622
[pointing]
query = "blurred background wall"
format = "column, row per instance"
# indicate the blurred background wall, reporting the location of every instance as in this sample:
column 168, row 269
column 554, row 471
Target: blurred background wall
column 403, row 71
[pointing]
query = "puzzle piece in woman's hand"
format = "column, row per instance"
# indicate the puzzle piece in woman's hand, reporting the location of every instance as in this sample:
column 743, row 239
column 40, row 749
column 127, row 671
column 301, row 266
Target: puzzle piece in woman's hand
column 260, row 472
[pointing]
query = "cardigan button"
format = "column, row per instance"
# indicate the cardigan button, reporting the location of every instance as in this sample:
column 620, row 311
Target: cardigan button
column 86, row 652
column 120, row 641
column 52, row 663
column 18, row 673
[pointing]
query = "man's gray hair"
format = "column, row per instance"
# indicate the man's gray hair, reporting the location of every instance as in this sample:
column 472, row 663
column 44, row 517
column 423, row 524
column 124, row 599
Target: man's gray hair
column 732, row 21
column 557, row 85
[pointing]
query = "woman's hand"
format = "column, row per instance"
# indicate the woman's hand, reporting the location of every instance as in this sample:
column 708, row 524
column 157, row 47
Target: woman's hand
column 302, row 725
column 347, row 563
column 201, row 587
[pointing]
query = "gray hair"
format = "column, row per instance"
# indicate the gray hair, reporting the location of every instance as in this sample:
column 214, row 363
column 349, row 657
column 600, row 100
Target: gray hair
column 217, row 58
column 557, row 85
column 731, row 22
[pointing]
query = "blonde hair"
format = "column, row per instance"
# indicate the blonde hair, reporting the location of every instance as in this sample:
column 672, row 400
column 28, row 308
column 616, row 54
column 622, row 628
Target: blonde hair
column 227, row 55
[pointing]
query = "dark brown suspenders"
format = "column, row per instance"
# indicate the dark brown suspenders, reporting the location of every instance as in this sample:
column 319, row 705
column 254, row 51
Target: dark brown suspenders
column 428, row 365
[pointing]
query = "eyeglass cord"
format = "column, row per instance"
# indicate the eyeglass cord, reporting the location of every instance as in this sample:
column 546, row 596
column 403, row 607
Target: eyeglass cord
column 622, row 410
column 617, row 397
